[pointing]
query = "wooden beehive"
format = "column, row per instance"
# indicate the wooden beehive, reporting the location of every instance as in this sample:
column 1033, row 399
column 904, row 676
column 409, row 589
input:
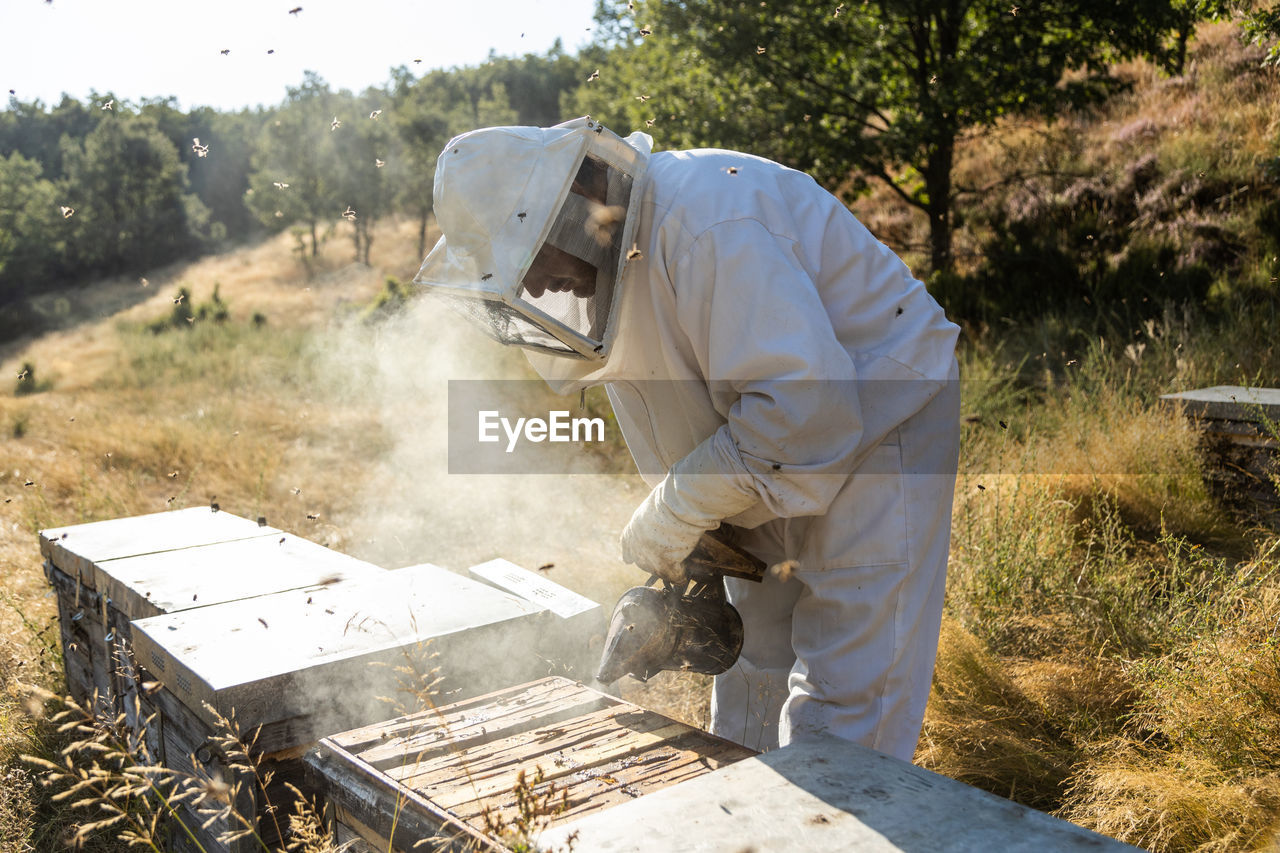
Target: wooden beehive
column 448, row 776
column 76, row 563
column 1239, row 437
column 106, row 574
column 292, row 666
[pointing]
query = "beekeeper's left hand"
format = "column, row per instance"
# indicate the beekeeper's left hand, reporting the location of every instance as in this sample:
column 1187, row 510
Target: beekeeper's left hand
column 657, row 539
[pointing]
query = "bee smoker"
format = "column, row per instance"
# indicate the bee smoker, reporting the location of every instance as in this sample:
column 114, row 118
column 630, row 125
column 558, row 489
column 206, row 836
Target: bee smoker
column 688, row 627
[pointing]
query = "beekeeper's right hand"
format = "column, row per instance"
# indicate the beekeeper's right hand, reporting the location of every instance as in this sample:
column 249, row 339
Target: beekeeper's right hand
column 657, row 539
column 695, row 496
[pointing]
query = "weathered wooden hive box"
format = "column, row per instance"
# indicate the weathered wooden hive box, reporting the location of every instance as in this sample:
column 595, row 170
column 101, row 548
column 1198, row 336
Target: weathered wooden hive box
column 108, row 573
column 1239, row 431
column 466, row 775
column 187, row 619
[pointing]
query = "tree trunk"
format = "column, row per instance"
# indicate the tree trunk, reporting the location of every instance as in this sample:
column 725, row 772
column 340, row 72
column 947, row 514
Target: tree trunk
column 422, row 233
column 937, row 182
column 315, row 242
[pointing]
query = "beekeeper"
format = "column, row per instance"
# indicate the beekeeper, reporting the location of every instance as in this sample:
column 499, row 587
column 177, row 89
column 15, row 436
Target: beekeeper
column 772, row 366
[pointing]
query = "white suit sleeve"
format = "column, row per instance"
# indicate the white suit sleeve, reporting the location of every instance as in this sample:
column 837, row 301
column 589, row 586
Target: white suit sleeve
column 765, row 341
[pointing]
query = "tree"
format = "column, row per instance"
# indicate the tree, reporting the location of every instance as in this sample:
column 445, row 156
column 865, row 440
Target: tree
column 429, row 111
column 32, row 228
column 129, row 191
column 219, row 179
column 881, row 89
column 294, row 167
column 362, row 184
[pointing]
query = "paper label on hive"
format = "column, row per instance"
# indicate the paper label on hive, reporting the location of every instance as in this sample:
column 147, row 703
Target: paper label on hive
column 563, row 602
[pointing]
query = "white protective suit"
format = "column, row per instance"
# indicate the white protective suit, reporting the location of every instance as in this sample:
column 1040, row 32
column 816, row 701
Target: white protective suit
column 774, row 366
column 767, row 336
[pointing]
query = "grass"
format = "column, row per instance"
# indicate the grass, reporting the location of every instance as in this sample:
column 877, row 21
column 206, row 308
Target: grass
column 1109, row 652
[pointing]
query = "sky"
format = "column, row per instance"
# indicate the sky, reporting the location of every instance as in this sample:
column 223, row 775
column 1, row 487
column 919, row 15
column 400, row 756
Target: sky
column 160, row 48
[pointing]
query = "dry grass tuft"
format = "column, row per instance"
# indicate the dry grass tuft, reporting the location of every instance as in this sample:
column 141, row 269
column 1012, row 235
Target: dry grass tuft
column 1160, row 804
column 981, row 726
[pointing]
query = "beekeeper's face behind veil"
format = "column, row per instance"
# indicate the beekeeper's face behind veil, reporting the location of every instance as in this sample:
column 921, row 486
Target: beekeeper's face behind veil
column 535, row 222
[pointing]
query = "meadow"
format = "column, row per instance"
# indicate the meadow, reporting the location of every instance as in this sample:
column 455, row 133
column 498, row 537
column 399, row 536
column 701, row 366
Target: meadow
column 1110, row 650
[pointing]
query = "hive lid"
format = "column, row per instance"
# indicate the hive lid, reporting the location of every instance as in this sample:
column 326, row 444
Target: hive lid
column 333, row 650
column 1229, row 402
column 77, row 548
column 169, row 581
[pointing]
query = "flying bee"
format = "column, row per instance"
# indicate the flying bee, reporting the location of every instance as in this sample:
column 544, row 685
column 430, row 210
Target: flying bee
column 595, row 75
column 177, row 300
column 784, row 570
column 522, row 214
column 313, row 516
column 335, row 124
column 603, row 222
column 642, row 98
column 650, row 122
column 200, row 150
column 732, row 170
column 67, row 212
column 349, row 214
column 378, row 164
column 109, row 104
column 759, row 50
column 23, row 375
column 295, row 10
column 226, row 51
column 280, row 185
column 645, row 31
column 173, row 475
column 546, row 567
column 486, row 276
column 271, row 51
column 143, row 282
column 374, row 115
column 417, row 62
column 634, row 254
column 838, row 10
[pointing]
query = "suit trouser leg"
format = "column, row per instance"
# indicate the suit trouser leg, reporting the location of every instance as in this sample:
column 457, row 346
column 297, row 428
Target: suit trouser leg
column 850, row 650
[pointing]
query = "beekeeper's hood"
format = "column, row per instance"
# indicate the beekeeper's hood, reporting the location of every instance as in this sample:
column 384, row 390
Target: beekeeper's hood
column 537, row 223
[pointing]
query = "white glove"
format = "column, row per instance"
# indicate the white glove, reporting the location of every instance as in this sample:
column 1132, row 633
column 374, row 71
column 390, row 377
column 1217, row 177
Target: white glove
column 657, row 540
column 694, row 497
